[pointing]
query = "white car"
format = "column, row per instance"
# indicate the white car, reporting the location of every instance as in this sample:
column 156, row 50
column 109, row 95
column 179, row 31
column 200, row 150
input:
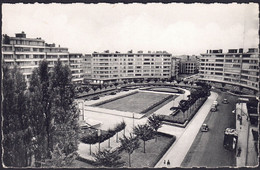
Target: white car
column 215, row 103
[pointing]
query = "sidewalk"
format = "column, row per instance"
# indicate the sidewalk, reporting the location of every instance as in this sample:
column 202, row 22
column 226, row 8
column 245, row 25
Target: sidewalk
column 181, row 146
column 242, row 128
column 252, row 157
column 248, row 156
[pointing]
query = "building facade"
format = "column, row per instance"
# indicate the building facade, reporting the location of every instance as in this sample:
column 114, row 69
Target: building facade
column 118, row 66
column 175, row 68
column 26, row 53
column 236, row 69
column 76, row 61
column 189, row 65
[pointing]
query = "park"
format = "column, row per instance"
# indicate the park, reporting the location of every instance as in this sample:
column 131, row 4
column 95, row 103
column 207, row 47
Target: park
column 133, row 107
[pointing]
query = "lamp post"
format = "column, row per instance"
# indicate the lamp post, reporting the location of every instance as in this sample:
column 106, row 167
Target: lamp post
column 99, row 134
column 83, row 110
column 133, row 120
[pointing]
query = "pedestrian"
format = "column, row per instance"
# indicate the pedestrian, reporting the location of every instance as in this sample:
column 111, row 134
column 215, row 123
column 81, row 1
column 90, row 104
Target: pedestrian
column 168, row 162
column 238, row 152
column 164, row 161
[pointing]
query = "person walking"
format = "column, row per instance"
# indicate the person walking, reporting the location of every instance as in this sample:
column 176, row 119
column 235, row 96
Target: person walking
column 238, row 152
column 168, row 162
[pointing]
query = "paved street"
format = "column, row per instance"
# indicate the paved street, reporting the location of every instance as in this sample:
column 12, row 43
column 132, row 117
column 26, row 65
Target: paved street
column 207, row 149
column 181, row 146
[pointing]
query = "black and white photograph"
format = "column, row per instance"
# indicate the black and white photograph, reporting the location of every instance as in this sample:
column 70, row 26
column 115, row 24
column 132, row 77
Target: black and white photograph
column 130, row 85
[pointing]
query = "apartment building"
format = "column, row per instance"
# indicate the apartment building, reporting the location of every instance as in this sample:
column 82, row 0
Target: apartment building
column 189, row 64
column 107, row 66
column 26, row 53
column 87, row 66
column 175, row 68
column 236, row 69
column 76, row 62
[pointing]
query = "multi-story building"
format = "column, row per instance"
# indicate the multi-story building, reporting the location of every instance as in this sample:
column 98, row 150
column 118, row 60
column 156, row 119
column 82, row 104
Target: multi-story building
column 26, row 53
column 175, row 68
column 87, row 66
column 236, row 69
column 116, row 66
column 189, row 65
column 76, row 61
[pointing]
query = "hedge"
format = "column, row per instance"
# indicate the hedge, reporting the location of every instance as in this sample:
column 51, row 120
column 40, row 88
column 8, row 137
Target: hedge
column 182, row 121
column 94, row 138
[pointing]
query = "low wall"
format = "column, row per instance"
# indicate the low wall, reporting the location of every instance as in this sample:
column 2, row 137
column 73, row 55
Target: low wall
column 114, row 112
column 113, row 99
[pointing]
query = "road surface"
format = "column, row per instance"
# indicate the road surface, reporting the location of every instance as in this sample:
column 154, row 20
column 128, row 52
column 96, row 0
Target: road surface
column 181, row 146
column 207, row 149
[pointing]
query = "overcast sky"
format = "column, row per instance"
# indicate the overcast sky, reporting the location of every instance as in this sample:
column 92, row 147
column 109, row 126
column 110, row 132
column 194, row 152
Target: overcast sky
column 176, row 28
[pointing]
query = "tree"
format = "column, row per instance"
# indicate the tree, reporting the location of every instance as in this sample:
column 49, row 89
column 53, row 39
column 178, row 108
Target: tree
column 39, row 105
column 118, row 128
column 64, row 110
column 108, row 158
column 57, row 110
column 144, row 132
column 155, row 123
column 183, row 105
column 59, row 158
column 17, row 133
column 129, row 144
column 94, row 88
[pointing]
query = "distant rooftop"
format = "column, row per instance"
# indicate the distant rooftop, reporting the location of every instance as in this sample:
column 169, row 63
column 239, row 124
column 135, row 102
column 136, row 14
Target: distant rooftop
column 131, row 52
column 240, row 50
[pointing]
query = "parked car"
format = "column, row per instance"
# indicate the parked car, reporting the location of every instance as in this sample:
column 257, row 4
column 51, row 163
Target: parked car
column 213, row 108
column 225, row 101
column 215, row 102
column 95, row 98
column 204, row 128
column 113, row 93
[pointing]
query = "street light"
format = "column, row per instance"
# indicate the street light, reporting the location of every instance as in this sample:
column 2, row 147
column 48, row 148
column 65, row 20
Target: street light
column 133, row 120
column 99, row 134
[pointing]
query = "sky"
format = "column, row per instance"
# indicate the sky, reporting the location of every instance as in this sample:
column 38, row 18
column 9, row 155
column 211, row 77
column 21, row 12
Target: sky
column 176, row 27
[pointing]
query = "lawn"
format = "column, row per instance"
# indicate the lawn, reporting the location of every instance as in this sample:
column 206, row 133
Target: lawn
column 154, row 152
column 136, row 103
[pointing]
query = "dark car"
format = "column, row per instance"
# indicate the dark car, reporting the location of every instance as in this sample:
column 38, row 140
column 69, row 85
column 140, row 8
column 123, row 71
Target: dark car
column 95, row 98
column 225, row 101
column 204, row 128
